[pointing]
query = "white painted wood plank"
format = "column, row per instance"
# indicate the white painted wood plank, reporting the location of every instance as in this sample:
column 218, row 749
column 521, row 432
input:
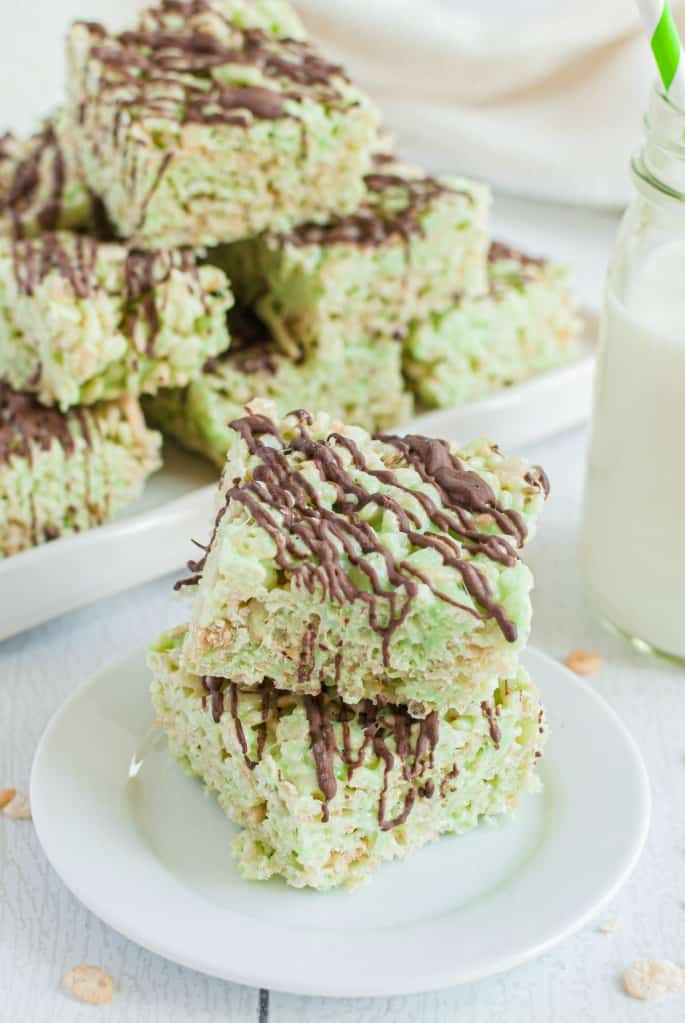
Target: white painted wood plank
column 43, row 929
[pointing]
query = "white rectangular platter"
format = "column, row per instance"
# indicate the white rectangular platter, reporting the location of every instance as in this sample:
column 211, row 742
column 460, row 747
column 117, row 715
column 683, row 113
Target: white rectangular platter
column 152, row 537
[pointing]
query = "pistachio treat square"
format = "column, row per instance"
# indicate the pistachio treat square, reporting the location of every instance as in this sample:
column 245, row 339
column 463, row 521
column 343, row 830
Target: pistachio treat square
column 413, row 243
column 526, row 323
column 212, row 133
column 41, row 186
column 327, row 791
column 364, row 385
column 82, row 320
column 385, row 565
column 61, row 473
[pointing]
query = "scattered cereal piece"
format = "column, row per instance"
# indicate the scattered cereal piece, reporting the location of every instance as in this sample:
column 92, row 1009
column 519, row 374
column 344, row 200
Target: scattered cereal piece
column 652, row 978
column 583, row 662
column 89, row 984
column 6, row 796
column 18, row 807
column 608, row 926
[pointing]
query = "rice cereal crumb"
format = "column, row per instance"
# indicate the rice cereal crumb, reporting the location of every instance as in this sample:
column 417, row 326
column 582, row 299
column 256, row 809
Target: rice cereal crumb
column 583, row 662
column 6, row 796
column 652, row 978
column 608, row 926
column 89, row 984
column 18, row 807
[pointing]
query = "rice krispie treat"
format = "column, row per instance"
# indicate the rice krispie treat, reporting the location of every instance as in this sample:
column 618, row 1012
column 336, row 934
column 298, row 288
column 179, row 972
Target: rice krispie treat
column 363, row 386
column 61, row 473
column 327, row 791
column 41, row 188
column 81, row 320
column 525, row 324
column 275, row 17
column 412, row 245
column 388, row 565
column 213, row 133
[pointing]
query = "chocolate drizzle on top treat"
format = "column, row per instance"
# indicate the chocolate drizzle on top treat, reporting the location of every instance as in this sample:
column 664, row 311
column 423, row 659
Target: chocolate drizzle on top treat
column 374, row 222
column 537, row 477
column 414, row 740
column 158, row 72
column 22, row 200
column 315, row 544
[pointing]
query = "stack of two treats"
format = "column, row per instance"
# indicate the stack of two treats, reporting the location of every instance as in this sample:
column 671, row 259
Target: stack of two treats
column 348, row 685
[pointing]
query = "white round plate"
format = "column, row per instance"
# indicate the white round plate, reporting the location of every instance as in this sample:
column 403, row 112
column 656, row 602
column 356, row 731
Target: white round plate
column 136, row 841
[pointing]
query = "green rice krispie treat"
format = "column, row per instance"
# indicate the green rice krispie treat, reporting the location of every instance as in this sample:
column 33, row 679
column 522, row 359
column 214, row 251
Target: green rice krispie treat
column 412, row 245
column 82, row 320
column 363, row 386
column 275, row 17
column 61, row 473
column 41, row 188
column 525, row 324
column 212, row 134
column 327, row 791
column 387, row 565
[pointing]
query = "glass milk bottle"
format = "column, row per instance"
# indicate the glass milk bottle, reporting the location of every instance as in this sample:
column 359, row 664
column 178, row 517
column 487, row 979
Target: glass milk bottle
column 633, row 532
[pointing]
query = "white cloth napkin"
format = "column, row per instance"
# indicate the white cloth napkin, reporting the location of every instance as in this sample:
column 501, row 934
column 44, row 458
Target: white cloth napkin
column 32, row 52
column 539, row 97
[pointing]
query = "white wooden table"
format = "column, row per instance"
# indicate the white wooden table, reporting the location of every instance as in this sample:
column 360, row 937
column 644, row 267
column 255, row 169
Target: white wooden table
column 44, row 930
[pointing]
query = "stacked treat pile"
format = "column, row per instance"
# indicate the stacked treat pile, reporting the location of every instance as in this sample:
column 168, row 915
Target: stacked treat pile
column 348, row 685
column 210, row 152
column 404, row 298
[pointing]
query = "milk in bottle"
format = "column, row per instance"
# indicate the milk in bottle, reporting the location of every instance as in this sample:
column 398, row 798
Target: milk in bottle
column 632, row 552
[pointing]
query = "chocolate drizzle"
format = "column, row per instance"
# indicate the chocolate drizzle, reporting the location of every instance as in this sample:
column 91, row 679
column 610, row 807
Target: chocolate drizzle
column 414, row 742
column 537, row 477
column 160, row 72
column 74, row 257
column 215, row 688
column 144, row 272
column 25, row 424
column 498, row 250
column 374, row 222
column 315, row 544
column 305, row 668
column 489, row 713
column 324, row 748
column 451, row 775
column 22, row 200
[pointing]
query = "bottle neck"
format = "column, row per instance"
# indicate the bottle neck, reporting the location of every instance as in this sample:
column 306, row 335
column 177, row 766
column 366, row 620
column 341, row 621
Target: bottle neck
column 660, row 164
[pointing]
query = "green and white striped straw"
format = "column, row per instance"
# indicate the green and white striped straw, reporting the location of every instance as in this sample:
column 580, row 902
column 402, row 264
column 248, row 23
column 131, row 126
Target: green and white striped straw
column 666, row 47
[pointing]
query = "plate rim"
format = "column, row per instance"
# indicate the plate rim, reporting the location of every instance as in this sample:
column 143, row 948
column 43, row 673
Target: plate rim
column 364, row 986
